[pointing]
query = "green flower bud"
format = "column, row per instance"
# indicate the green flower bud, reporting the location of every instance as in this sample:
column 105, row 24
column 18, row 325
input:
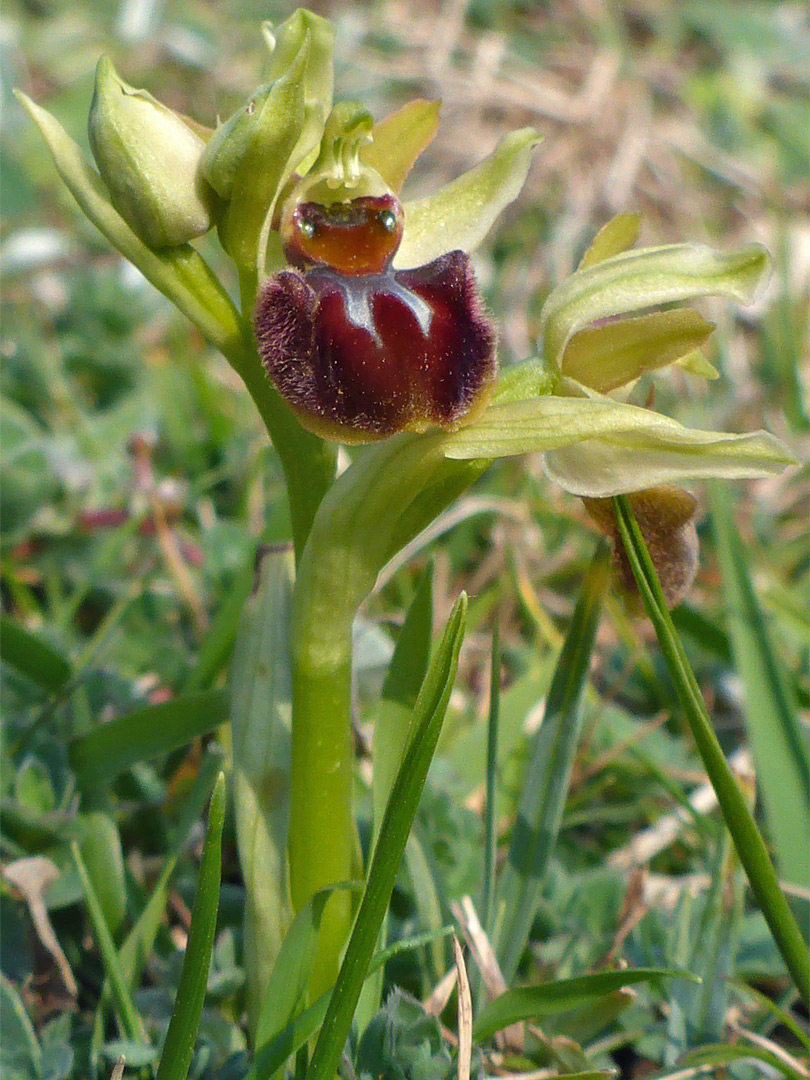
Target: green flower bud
column 149, row 158
column 226, row 147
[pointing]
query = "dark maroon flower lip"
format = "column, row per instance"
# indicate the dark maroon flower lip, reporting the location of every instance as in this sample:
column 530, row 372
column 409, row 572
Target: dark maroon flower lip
column 361, row 357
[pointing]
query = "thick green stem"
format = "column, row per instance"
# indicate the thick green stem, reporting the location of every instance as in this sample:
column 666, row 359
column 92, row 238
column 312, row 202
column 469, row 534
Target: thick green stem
column 391, row 492
column 322, row 831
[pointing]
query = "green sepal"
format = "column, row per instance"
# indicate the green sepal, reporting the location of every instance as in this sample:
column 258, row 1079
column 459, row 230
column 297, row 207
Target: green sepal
column 596, row 446
column 460, row 214
column 180, row 273
column 646, row 278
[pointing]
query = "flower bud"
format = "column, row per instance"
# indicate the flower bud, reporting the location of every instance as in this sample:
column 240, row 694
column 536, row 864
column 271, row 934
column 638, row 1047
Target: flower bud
column 227, row 146
column 666, row 517
column 149, row 158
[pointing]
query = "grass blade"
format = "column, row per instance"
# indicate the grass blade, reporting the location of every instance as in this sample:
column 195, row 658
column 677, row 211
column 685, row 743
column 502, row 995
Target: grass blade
column 182, row 1033
column 131, row 1026
column 544, row 793
column 532, row 1002
column 738, row 818
column 779, row 747
column 146, row 733
column 402, row 805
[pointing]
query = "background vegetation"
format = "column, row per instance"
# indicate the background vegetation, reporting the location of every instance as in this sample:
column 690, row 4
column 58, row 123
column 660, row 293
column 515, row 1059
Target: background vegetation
column 138, row 481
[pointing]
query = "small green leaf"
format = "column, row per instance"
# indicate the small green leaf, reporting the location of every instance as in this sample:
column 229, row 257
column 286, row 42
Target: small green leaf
column 618, row 235
column 399, row 139
column 784, row 1016
column 20, row 1052
column 286, row 993
column 428, row 717
column 144, row 734
column 32, row 657
column 137, row 945
column 545, row 788
column 100, row 845
column 723, row 1054
column 643, row 279
column 534, row 1002
column 460, row 214
column 695, row 363
column 182, row 1033
column 180, row 273
column 606, row 357
column 260, row 716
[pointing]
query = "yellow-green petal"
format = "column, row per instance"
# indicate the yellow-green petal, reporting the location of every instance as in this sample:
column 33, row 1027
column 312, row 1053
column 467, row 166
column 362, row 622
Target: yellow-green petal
column 459, row 215
column 618, row 235
column 606, row 357
column 399, row 139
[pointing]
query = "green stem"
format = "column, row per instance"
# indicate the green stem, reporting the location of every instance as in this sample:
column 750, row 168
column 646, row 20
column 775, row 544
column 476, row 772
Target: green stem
column 391, row 492
column 740, row 822
column 322, row 831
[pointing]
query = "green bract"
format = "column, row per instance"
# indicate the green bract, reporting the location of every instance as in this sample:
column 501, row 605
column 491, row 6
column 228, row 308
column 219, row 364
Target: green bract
column 149, row 158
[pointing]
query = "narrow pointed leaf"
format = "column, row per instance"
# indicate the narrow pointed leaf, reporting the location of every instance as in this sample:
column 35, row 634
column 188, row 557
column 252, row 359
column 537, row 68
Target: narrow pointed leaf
column 778, row 743
column 642, row 279
column 601, row 467
column 460, row 214
column 180, row 273
column 605, row 357
column 400, row 138
column 545, row 788
column 182, row 1033
column 548, row 999
column 402, row 805
column 618, row 235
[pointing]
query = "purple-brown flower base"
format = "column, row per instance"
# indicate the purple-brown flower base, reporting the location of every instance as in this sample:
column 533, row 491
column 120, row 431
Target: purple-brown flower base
column 360, row 358
column 666, row 517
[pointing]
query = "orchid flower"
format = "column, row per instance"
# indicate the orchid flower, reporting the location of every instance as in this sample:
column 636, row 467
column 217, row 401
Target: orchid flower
column 360, row 321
